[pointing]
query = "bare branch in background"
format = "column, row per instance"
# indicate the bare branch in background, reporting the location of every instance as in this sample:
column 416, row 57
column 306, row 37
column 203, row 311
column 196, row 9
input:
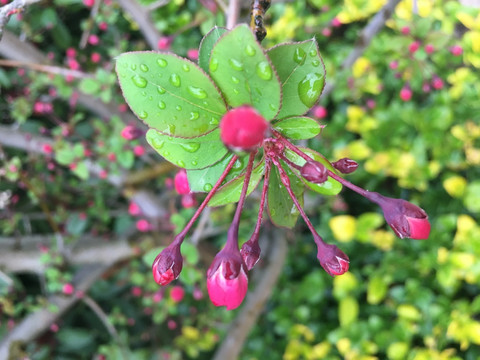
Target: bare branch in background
column 141, row 16
column 375, row 24
column 232, row 13
column 15, row 7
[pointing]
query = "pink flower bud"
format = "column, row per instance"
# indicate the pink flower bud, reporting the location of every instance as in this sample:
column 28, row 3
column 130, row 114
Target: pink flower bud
column 437, row 83
column 188, row 201
column 456, row 50
column 413, row 47
column 143, row 225
column 243, row 129
column 405, row 219
column 172, row 324
column 164, row 43
column 429, row 49
column 136, row 291
column 393, row 65
column 167, row 265
column 345, row 165
column 405, row 30
column 314, row 172
column 327, row 32
column 192, row 54
column 319, row 112
column 197, row 293
column 103, row 26
column 406, row 93
column 138, row 150
column 88, row 3
column 95, row 57
column 250, row 252
column 227, row 280
column 333, row 260
column 177, row 293
column 336, row 22
column 71, row 52
column 68, row 289
column 181, row 182
column 93, row 39
column 47, row 148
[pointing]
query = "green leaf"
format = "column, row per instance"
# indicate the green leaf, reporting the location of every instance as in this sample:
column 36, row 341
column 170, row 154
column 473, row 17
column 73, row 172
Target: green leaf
column 151, row 254
column 281, row 208
column 329, row 187
column 203, row 180
column 348, row 311
column 81, row 170
column 196, row 153
column 170, row 94
column 207, row 44
column 377, row 290
column 90, row 86
column 230, row 192
column 126, row 159
column 76, row 225
column 190, row 253
column 298, row 128
column 302, row 75
column 243, row 72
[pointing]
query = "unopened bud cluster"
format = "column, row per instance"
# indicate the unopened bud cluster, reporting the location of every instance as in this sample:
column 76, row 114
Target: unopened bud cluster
column 244, row 129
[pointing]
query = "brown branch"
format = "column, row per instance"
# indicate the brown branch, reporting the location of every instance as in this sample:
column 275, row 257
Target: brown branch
column 142, row 18
column 232, row 13
column 255, row 301
column 15, row 7
column 375, row 24
column 56, row 70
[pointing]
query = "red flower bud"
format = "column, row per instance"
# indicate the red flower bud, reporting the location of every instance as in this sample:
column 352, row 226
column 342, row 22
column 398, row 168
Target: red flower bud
column 250, row 252
column 345, row 165
column 405, row 219
column 181, row 182
column 333, row 260
column 314, row 172
column 167, row 265
column 243, row 129
column 227, row 280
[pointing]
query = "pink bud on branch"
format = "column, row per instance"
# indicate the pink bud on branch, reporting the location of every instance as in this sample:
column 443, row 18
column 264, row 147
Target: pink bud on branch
column 167, row 265
column 333, row 260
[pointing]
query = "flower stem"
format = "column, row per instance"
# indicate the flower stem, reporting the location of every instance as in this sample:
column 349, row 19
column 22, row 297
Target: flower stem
column 367, row 194
column 286, row 182
column 232, row 235
column 268, row 165
column 292, row 147
column 181, row 236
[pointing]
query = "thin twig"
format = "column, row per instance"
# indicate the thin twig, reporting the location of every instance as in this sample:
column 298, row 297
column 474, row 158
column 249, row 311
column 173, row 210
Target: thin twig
column 90, row 23
column 56, row 70
column 232, row 13
column 15, row 7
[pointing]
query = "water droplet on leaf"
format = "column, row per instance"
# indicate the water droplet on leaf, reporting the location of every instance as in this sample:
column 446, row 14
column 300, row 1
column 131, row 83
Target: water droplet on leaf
column 181, row 163
column 309, row 88
column 213, row 64
column 143, row 115
column 207, row 187
column 157, row 143
column 197, row 92
column 194, row 162
column 144, row 67
column 161, row 90
column 175, row 80
column 299, row 56
column 162, row 63
column 194, row 115
column 313, row 53
column 139, row 81
column 235, row 64
column 186, row 68
column 190, row 147
column 315, row 63
column 178, row 107
column 250, row 50
column 264, row 71
column 161, row 105
column 235, row 80
column 133, row 67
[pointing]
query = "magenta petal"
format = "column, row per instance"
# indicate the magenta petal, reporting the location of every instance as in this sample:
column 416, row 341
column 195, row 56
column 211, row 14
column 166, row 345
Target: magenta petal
column 229, row 293
column 419, row 228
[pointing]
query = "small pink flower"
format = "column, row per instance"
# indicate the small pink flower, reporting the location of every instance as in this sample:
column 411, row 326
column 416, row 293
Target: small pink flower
column 393, row 65
column 188, row 201
column 134, row 209
column 164, row 43
column 73, row 64
column 136, row 291
column 429, row 49
column 192, row 54
column 227, row 280
column 437, row 83
column 172, row 324
column 138, row 150
column 73, row 166
column 47, row 148
column 197, row 293
column 131, row 132
column 103, row 174
column 405, row 30
column 320, row 112
column 336, row 22
column 158, row 296
column 327, row 32
column 68, row 289
column 71, row 52
column 345, row 165
column 177, row 293
column 112, row 157
column 413, row 47
column 406, row 93
column 88, row 3
column 122, row 108
column 181, row 182
column 456, row 50
column 54, row 327
column 243, row 128
column 95, row 57
column 93, row 39
column 167, row 265
column 143, row 225
column 103, row 26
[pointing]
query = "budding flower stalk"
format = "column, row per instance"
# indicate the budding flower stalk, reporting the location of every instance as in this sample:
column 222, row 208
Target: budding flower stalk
column 168, row 264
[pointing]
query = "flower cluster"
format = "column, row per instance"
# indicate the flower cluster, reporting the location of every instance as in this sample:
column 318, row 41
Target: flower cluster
column 231, row 121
